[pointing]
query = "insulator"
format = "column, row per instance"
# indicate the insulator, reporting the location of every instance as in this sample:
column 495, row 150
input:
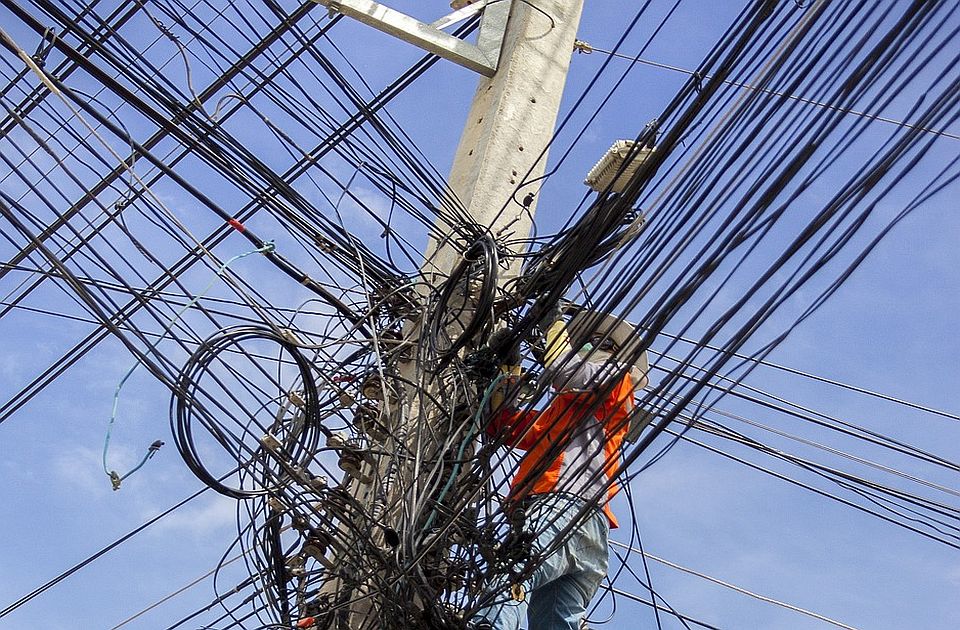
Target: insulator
column 316, row 547
column 318, row 483
column 296, row 398
column 372, row 387
column 270, row 442
column 367, row 420
column 295, row 567
column 337, row 440
column 351, row 463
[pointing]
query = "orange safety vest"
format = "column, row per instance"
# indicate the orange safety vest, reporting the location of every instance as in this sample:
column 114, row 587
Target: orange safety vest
column 573, row 446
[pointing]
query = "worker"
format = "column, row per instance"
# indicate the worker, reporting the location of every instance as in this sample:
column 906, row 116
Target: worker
column 565, row 479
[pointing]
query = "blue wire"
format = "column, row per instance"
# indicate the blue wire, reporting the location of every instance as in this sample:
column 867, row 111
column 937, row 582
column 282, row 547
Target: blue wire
column 463, row 446
column 116, row 478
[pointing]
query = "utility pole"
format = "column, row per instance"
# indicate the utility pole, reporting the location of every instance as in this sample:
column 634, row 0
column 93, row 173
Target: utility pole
column 512, row 120
column 523, row 51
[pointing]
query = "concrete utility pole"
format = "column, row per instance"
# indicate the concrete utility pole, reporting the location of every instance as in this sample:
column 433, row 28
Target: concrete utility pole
column 512, row 120
column 523, row 51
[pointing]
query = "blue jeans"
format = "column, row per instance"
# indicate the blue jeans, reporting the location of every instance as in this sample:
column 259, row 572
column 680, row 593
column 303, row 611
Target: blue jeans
column 559, row 591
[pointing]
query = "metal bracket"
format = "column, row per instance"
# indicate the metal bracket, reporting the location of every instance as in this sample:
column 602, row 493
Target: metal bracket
column 483, row 57
column 460, row 14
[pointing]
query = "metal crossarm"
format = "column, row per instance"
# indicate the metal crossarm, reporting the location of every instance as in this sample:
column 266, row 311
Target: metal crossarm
column 482, row 57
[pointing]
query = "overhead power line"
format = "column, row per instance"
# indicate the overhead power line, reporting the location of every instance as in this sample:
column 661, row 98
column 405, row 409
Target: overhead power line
column 349, row 411
column 85, row 562
column 584, row 47
column 736, row 588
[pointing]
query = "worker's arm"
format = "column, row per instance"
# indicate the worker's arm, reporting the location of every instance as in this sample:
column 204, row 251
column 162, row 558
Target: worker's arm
column 507, row 423
column 618, row 408
column 522, row 429
column 514, row 427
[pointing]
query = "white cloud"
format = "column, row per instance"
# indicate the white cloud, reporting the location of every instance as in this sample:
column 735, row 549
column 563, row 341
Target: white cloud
column 209, row 514
column 11, row 367
column 953, row 575
column 80, row 468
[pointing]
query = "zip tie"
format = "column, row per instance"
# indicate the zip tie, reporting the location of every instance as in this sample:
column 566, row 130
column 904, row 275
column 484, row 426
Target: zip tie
column 116, row 478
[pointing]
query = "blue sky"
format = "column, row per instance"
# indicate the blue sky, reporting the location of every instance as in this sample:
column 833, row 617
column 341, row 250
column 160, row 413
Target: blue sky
column 890, row 329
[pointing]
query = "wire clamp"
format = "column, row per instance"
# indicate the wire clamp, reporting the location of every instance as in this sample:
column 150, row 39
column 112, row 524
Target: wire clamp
column 582, row 47
column 698, row 78
column 115, row 478
column 45, row 46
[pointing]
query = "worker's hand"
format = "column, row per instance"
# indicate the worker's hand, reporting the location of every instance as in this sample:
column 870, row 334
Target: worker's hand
column 509, row 354
column 556, row 341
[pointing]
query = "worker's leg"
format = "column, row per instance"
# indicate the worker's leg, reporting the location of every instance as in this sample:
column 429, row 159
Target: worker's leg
column 580, row 555
column 557, row 605
column 501, row 616
column 546, row 515
column 561, row 602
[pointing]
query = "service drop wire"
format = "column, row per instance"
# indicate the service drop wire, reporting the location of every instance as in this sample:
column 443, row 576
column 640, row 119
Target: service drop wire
column 115, row 478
